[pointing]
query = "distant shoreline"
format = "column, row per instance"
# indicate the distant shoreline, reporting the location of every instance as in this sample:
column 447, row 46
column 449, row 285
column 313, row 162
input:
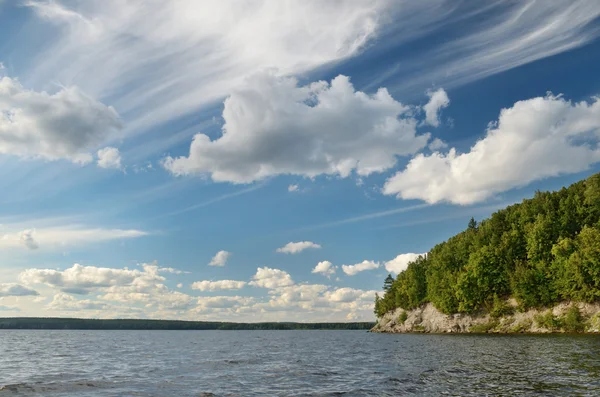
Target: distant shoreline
column 55, row 323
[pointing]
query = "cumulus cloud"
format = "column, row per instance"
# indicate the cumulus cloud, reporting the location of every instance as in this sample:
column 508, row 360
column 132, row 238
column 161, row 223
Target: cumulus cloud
column 273, row 127
column 28, row 240
column 117, row 292
column 296, row 248
column 12, row 289
column 218, row 285
column 438, row 100
column 399, row 263
column 345, row 294
column 352, row 270
column 534, row 139
column 266, row 277
column 325, row 268
column 223, row 302
column 293, row 188
column 84, row 279
column 220, row 259
column 437, row 144
column 64, row 125
column 109, row 157
column 66, row 302
column 122, row 288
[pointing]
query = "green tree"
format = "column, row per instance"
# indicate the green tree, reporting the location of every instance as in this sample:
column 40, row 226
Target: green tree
column 540, row 251
column 387, row 284
column 472, row 224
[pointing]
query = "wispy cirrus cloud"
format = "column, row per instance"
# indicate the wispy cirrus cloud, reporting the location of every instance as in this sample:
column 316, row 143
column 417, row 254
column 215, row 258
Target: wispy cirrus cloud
column 492, row 37
column 190, row 67
column 60, row 236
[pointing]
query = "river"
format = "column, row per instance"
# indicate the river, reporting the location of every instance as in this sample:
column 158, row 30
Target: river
column 294, row 363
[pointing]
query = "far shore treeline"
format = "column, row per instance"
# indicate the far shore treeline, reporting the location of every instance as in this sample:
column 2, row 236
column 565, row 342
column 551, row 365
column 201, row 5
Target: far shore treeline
column 540, row 252
column 131, row 324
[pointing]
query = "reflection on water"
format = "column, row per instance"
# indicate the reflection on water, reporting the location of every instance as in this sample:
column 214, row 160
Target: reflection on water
column 294, row 363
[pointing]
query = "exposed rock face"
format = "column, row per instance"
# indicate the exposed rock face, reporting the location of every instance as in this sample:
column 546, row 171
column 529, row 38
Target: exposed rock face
column 428, row 319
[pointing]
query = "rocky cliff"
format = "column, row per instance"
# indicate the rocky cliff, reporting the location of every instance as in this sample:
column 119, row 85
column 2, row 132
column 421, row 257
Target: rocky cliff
column 564, row 317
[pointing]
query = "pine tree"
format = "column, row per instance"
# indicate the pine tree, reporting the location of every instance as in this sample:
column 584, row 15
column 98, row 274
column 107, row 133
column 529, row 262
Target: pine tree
column 387, row 284
column 472, row 224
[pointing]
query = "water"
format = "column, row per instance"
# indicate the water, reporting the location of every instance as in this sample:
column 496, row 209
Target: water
column 294, row 363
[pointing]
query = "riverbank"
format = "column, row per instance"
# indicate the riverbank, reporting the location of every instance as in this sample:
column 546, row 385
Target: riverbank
column 564, row 317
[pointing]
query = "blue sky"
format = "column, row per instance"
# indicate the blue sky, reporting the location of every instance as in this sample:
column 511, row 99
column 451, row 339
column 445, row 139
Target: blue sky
column 156, row 160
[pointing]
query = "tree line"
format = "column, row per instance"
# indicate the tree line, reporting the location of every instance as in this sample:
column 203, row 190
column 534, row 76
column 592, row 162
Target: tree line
column 131, row 324
column 540, row 252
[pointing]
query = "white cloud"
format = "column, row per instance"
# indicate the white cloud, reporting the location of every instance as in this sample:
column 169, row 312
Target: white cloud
column 169, row 269
column 127, row 289
column 190, row 66
column 353, row 270
column 296, row 248
column 56, row 237
column 220, row 259
column 85, row 279
column 12, row 289
column 293, row 188
column 535, row 139
column 223, row 302
column 66, row 302
column 64, row 125
column 437, row 144
column 274, row 127
column 266, row 277
column 325, row 268
column 109, row 157
column 399, row 263
column 218, row 285
column 484, row 49
column 345, row 294
column 112, row 293
column 438, row 100
column 28, row 240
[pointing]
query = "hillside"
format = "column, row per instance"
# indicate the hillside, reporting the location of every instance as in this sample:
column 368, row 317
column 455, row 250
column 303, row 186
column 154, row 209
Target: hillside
column 532, row 255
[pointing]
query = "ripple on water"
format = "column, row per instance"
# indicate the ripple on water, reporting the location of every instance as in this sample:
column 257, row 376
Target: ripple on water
column 294, row 363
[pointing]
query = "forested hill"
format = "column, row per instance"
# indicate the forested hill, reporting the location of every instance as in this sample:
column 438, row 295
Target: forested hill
column 541, row 251
column 135, row 324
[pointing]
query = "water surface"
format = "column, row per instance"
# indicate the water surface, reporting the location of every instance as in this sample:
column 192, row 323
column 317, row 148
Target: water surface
column 294, row 363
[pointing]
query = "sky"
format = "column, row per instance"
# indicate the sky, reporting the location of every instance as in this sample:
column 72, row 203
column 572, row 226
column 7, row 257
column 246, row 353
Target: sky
column 264, row 160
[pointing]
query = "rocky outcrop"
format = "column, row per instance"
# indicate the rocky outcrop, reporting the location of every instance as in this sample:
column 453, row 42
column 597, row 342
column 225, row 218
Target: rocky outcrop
column 430, row 320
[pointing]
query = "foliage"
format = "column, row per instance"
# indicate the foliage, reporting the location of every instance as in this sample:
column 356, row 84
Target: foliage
column 573, row 321
column 521, row 327
column 387, row 284
column 500, row 308
column 548, row 321
column 541, row 251
column 484, row 328
column 402, row 317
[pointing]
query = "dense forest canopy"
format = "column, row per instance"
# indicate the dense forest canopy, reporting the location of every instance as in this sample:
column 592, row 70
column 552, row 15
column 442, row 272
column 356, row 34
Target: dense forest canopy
column 540, row 252
column 116, row 324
